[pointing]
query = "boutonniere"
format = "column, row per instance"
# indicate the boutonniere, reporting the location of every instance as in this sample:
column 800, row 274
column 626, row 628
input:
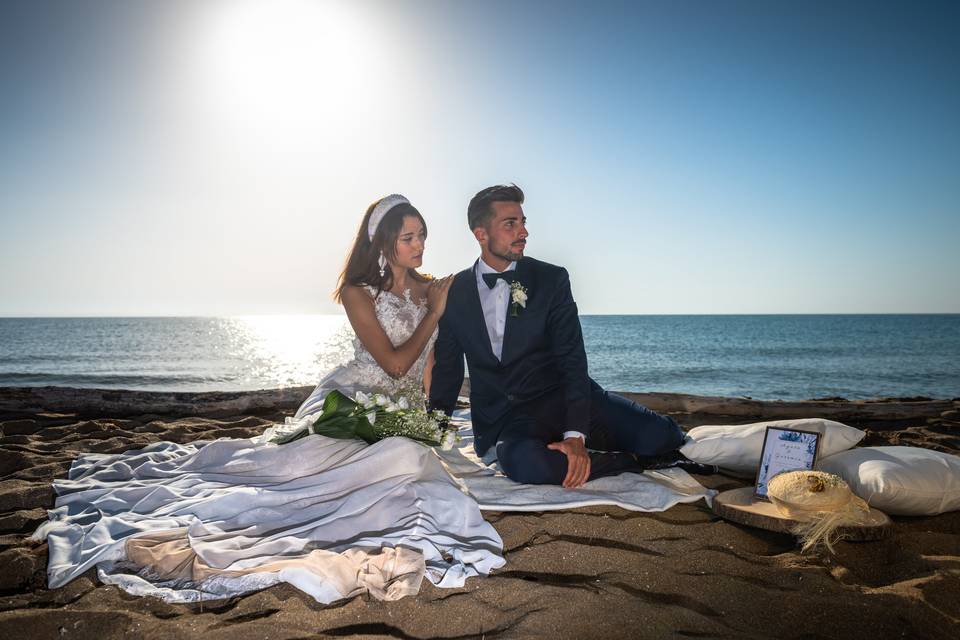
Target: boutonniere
column 518, row 298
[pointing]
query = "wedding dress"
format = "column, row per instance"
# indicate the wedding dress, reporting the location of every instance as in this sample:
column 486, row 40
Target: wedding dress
column 335, row 518
column 399, row 316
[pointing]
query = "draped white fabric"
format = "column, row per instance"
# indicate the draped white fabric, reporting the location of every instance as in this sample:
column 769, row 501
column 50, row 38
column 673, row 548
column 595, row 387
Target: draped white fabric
column 493, row 491
column 333, row 517
column 245, row 504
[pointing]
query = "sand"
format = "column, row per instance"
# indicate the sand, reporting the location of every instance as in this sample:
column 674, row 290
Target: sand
column 598, row 572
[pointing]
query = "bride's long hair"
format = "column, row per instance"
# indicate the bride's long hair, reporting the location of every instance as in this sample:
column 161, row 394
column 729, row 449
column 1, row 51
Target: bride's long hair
column 362, row 268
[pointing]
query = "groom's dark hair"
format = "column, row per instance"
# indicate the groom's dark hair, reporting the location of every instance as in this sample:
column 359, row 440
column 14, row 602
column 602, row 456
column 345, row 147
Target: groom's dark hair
column 479, row 210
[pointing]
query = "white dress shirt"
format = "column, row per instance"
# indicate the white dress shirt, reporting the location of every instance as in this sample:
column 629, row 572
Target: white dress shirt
column 494, row 303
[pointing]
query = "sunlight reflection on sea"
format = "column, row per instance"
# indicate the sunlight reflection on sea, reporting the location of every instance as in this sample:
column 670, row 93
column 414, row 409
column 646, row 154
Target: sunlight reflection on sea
column 788, row 357
column 284, row 351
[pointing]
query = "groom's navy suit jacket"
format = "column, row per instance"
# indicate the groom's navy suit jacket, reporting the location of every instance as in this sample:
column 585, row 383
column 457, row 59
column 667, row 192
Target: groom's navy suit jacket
column 543, row 359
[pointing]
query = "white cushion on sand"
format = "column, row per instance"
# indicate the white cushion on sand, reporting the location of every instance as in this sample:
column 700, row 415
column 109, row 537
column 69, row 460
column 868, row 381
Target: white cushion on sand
column 905, row 481
column 737, row 447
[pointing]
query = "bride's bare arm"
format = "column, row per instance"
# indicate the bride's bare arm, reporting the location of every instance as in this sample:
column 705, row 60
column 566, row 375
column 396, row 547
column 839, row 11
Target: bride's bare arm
column 428, row 373
column 396, row 361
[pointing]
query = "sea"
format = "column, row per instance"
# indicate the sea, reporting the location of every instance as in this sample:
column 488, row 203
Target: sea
column 789, row 357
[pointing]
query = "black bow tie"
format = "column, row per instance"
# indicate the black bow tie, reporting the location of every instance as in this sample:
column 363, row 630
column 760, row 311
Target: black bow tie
column 491, row 278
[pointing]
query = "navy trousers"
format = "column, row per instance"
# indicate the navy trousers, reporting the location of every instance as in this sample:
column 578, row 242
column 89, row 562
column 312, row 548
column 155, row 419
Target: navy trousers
column 618, row 428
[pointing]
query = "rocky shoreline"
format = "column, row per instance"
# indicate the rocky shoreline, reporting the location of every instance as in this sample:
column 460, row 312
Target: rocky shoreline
column 584, row 573
column 114, row 402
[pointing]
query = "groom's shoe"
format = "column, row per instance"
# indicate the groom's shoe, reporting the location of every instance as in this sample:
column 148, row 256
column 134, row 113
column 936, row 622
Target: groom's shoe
column 677, row 460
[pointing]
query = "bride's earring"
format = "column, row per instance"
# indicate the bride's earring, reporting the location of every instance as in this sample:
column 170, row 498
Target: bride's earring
column 382, row 261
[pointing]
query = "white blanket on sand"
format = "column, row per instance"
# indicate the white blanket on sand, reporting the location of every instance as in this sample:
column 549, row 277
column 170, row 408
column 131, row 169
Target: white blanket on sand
column 334, row 518
column 493, row 491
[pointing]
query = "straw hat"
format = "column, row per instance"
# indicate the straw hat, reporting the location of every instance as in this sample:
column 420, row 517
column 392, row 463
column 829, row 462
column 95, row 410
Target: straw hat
column 820, row 502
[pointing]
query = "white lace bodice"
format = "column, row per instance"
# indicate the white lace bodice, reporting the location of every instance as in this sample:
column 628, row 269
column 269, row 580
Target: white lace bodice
column 399, row 316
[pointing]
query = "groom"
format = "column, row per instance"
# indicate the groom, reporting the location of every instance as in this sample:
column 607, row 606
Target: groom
column 515, row 320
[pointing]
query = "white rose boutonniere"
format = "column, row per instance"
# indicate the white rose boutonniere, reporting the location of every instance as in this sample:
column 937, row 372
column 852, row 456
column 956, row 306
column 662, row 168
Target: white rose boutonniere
column 518, row 297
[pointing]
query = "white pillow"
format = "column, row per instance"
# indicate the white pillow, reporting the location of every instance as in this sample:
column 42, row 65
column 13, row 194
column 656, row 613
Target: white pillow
column 904, row 481
column 737, row 447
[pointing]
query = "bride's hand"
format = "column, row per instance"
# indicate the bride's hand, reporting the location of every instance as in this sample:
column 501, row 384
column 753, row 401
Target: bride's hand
column 437, row 294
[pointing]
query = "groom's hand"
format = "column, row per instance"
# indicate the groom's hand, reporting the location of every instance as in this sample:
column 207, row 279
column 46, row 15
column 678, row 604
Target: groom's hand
column 578, row 461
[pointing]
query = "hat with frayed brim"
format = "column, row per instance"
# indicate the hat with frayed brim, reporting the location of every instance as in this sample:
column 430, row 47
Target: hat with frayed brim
column 818, row 507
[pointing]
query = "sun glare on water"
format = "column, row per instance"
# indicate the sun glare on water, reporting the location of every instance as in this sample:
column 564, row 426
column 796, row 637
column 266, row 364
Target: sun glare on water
column 290, row 350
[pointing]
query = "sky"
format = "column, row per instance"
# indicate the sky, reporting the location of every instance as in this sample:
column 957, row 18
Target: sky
column 215, row 157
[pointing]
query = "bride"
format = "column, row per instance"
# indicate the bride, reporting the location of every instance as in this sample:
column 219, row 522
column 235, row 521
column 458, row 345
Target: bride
column 392, row 308
column 335, row 518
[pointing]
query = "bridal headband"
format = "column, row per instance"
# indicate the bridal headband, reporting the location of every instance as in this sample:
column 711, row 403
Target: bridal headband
column 381, row 210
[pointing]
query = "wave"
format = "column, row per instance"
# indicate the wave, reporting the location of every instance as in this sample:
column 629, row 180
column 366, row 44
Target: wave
column 31, row 358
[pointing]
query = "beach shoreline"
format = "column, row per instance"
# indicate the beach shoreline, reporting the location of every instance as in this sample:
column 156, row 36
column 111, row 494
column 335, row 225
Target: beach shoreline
column 121, row 402
column 580, row 573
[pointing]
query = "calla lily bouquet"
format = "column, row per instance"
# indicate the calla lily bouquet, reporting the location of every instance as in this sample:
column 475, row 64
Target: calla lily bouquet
column 375, row 417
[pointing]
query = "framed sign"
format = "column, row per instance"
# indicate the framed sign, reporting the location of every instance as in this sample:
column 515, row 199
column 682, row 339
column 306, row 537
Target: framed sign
column 785, row 450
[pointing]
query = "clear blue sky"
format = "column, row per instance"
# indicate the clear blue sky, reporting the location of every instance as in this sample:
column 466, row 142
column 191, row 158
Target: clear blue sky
column 215, row 157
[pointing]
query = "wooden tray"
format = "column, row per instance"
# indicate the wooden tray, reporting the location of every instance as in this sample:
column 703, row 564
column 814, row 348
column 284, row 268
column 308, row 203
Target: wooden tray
column 739, row 505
